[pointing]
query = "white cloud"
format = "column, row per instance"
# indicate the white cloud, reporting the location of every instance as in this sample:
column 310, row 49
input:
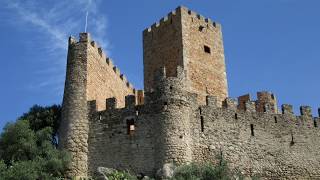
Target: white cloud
column 54, row 22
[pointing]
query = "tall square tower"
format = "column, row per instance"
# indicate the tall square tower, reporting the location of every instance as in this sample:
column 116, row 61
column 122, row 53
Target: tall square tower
column 187, row 39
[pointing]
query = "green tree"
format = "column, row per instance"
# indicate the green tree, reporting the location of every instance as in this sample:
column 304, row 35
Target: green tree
column 28, row 147
column 41, row 117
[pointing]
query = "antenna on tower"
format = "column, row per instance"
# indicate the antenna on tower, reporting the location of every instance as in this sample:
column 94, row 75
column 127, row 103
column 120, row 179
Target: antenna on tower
column 86, row 25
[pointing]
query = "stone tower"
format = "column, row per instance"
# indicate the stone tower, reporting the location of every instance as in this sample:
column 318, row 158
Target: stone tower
column 90, row 76
column 173, row 143
column 186, row 39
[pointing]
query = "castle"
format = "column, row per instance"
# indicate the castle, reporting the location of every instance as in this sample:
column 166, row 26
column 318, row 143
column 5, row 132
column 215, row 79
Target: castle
column 183, row 114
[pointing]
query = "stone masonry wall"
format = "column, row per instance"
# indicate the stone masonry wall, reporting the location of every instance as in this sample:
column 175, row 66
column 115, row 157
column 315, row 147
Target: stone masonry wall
column 104, row 80
column 182, row 39
column 73, row 131
column 113, row 145
column 90, row 76
column 171, row 127
column 203, row 55
column 267, row 145
column 162, row 47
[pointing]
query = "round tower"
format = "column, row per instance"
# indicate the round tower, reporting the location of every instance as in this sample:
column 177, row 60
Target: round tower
column 73, row 131
column 173, row 139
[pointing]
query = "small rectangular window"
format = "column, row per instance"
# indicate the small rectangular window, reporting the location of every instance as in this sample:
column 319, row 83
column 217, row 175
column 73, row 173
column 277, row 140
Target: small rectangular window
column 130, row 126
column 207, row 49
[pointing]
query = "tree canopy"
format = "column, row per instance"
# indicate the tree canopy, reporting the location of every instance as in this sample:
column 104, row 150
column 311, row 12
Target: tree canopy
column 28, row 147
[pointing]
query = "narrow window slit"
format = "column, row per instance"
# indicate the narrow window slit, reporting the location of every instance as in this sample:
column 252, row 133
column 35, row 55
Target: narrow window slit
column 292, row 140
column 275, row 120
column 236, row 116
column 252, row 129
column 202, row 123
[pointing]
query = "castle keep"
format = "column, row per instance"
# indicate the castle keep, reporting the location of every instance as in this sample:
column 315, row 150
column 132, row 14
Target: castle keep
column 183, row 114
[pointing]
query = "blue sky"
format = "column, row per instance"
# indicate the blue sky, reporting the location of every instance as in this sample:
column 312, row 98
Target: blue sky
column 269, row 45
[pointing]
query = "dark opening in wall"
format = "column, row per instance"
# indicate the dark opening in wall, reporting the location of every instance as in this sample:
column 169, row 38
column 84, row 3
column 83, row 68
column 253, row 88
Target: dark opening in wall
column 236, row 116
column 275, row 120
column 189, row 12
column 165, row 105
column 202, row 123
column 292, row 140
column 201, row 28
column 252, row 129
column 214, row 24
column 315, row 123
column 130, row 126
column 264, row 108
column 200, row 110
column 272, row 96
column 170, row 87
column 207, row 49
column 171, row 21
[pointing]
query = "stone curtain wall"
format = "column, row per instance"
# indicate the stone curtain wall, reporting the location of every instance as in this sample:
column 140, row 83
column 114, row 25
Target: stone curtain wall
column 203, row 55
column 110, row 144
column 264, row 144
column 268, row 145
column 104, row 80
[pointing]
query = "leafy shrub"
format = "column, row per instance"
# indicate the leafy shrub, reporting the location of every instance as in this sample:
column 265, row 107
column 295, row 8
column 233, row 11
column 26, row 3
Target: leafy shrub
column 121, row 175
column 206, row 171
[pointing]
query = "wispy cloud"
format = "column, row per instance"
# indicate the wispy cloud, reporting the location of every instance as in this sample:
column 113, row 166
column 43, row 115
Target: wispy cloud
column 55, row 21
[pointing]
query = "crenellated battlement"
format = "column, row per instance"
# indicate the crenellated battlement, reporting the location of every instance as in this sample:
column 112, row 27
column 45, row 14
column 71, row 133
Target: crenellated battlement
column 246, row 104
column 86, row 38
column 141, row 112
column 164, row 20
column 186, row 13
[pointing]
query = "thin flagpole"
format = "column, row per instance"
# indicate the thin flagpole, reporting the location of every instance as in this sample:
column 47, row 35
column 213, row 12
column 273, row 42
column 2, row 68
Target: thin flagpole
column 86, row 25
